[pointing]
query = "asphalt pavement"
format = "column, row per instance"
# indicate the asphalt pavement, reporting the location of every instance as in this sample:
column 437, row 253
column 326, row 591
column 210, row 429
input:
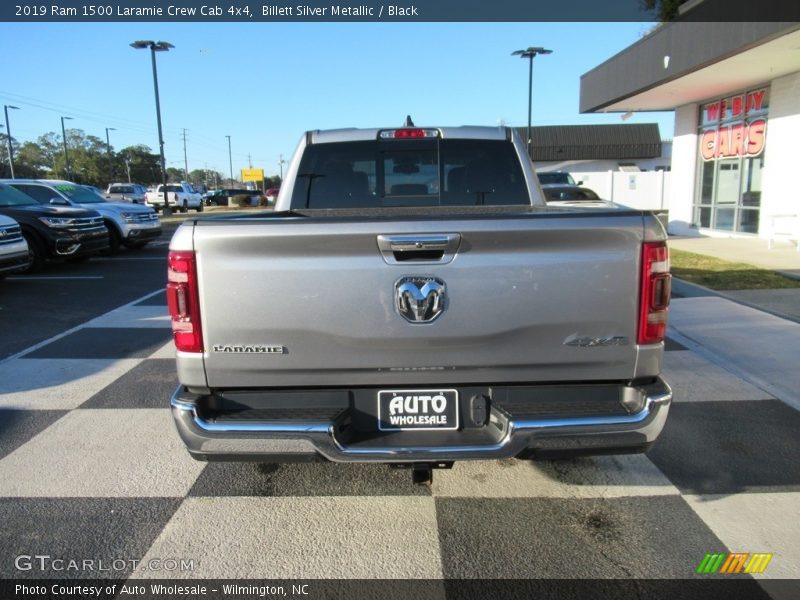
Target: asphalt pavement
column 91, row 467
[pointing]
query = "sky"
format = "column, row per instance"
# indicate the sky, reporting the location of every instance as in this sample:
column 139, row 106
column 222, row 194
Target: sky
column 264, row 84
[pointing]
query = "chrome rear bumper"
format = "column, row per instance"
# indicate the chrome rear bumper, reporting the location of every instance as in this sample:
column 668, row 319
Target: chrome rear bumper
column 505, row 435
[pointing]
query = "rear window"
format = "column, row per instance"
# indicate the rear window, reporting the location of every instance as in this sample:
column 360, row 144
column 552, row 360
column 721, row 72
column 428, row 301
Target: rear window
column 121, row 189
column 434, row 172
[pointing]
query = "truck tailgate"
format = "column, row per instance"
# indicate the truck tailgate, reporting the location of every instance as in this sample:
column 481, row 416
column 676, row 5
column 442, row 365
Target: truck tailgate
column 299, row 302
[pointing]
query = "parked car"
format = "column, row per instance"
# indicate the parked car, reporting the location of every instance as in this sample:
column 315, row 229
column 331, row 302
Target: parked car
column 179, row 195
column 129, row 225
column 126, row 192
column 559, row 177
column 572, row 193
column 222, row 197
column 271, row 194
column 53, row 231
column 13, row 247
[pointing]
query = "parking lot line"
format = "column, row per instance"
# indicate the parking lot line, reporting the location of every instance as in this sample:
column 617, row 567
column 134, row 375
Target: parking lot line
column 54, row 277
column 74, row 329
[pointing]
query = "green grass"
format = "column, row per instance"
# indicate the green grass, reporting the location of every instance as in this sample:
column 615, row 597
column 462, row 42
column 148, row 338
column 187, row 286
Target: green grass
column 719, row 274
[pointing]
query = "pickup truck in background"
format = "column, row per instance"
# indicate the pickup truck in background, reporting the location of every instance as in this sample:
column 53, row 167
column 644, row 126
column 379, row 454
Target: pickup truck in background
column 179, row 195
column 414, row 301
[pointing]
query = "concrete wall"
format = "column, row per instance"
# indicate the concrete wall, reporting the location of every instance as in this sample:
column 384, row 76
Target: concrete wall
column 684, row 170
column 780, row 195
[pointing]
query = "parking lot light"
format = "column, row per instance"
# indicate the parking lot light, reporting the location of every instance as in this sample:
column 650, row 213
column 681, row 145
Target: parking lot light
column 530, row 53
column 8, row 139
column 157, row 47
column 67, row 168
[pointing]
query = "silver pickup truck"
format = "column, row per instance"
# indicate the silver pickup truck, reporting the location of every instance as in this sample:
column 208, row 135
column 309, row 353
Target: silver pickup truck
column 414, row 301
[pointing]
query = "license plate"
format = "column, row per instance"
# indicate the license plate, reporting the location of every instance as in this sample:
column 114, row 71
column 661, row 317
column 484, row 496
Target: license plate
column 417, row 409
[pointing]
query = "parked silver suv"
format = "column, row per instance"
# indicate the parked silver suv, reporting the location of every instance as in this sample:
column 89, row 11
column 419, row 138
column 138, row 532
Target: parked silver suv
column 126, row 192
column 129, row 225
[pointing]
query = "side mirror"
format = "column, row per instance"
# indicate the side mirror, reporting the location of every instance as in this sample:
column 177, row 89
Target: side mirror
column 59, row 201
column 579, row 183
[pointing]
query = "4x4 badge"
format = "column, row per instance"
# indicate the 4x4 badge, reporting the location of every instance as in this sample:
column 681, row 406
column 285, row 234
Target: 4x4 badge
column 420, row 299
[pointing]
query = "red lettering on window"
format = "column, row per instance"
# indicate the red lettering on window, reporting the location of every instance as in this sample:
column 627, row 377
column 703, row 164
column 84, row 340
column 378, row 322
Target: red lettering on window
column 756, row 137
column 737, row 139
column 712, row 111
column 755, row 100
column 723, row 142
column 737, row 105
column 708, row 144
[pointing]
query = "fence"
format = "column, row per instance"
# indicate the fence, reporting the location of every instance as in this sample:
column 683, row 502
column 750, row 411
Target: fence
column 643, row 190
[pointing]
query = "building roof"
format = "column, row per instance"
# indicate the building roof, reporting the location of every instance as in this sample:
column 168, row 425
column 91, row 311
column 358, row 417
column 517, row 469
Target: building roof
column 593, row 142
column 684, row 62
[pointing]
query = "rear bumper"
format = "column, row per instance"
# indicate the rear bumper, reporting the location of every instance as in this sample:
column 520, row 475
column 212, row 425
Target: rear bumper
column 507, row 433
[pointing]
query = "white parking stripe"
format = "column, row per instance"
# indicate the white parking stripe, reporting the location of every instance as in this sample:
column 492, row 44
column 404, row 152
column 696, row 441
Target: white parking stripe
column 54, row 278
column 74, row 329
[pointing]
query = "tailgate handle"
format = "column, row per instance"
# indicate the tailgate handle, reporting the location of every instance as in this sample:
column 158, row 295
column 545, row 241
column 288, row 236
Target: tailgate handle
column 430, row 248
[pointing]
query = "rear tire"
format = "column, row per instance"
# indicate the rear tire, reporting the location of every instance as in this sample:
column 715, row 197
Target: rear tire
column 199, row 207
column 36, row 253
column 184, row 207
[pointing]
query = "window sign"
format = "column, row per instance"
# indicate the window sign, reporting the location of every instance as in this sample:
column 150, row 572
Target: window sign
column 733, row 137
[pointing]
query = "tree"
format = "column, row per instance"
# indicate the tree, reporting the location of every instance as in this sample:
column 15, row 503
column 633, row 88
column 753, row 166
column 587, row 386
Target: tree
column 666, row 10
column 141, row 163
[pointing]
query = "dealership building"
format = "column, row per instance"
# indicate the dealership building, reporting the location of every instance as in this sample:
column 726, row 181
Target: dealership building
column 735, row 90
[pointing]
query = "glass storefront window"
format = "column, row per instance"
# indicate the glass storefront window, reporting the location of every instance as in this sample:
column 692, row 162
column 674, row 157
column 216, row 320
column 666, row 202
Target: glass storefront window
column 732, row 141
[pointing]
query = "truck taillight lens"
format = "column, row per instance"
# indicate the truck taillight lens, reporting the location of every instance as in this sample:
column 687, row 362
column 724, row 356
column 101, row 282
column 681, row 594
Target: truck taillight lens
column 655, row 293
column 183, row 301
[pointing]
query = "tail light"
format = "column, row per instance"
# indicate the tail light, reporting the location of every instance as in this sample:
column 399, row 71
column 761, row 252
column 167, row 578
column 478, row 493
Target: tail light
column 656, row 287
column 183, row 301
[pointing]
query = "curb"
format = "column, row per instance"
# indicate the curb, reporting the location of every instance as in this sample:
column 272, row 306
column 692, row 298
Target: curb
column 685, row 289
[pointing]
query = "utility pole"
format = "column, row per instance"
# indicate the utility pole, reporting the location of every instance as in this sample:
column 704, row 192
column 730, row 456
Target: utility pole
column 108, row 150
column 280, row 162
column 67, row 169
column 185, row 160
column 249, row 160
column 8, row 139
column 230, row 158
column 128, row 168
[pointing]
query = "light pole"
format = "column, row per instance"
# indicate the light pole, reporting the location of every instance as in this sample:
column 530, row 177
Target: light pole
column 8, row 139
column 281, row 162
column 108, row 149
column 530, row 53
column 157, row 47
column 66, row 154
column 230, row 158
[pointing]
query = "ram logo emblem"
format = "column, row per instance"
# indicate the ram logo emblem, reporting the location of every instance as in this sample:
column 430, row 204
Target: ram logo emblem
column 420, row 299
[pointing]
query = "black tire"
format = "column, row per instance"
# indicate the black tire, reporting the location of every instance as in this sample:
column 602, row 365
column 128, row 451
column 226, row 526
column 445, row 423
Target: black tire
column 114, row 238
column 184, row 207
column 135, row 245
column 199, row 207
column 36, row 253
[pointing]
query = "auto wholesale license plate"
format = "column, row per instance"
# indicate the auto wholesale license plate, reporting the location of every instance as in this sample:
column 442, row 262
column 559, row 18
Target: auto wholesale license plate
column 417, row 409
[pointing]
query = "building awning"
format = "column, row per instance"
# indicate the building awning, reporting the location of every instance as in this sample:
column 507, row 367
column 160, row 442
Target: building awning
column 685, row 62
column 594, row 142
